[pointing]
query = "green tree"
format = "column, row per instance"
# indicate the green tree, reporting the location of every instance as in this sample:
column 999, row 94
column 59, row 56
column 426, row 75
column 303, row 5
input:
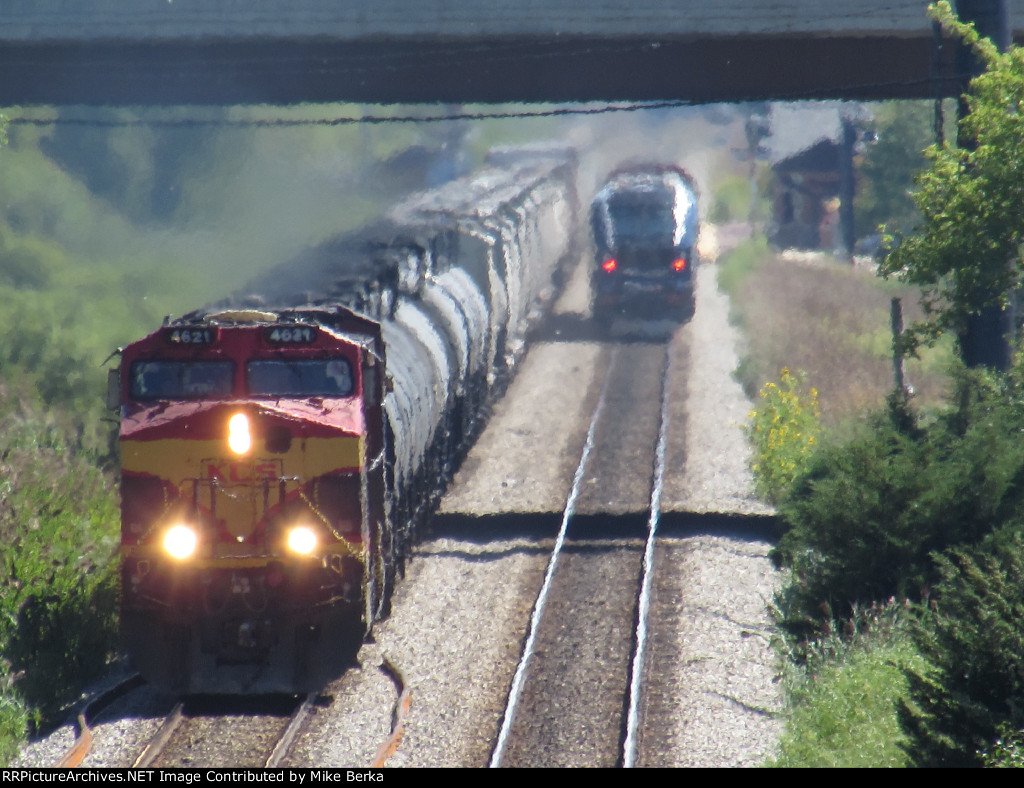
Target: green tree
column 886, row 173
column 967, row 253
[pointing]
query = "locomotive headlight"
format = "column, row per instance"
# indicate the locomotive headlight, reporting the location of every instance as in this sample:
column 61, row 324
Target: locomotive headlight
column 302, row 540
column 180, row 542
column 239, row 439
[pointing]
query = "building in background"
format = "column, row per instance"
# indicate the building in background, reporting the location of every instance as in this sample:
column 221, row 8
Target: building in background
column 811, row 149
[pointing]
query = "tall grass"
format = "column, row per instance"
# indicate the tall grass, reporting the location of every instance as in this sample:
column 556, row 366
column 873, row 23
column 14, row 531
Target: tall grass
column 58, row 525
column 829, row 320
column 842, row 700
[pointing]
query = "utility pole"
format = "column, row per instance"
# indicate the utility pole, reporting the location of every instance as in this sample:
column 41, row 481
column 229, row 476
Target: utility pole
column 987, row 336
column 757, row 126
column 847, row 186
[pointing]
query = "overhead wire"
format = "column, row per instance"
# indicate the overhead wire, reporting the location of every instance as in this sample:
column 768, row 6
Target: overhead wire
column 343, row 121
column 560, row 111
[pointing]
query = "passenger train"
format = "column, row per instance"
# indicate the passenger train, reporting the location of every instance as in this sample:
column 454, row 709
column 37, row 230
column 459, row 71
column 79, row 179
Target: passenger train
column 280, row 450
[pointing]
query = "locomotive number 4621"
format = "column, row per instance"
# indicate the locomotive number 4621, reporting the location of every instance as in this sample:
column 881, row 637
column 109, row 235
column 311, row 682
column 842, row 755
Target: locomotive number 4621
column 290, row 335
column 191, row 336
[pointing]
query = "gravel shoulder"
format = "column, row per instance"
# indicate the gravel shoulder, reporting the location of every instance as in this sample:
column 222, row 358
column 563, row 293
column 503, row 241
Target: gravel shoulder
column 713, row 638
column 708, row 454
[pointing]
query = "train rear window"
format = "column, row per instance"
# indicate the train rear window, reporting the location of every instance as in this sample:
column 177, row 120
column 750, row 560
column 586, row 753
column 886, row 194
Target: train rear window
column 644, row 217
column 305, row 378
column 182, row 379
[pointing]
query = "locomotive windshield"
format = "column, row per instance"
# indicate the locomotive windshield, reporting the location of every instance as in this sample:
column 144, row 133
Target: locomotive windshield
column 645, row 219
column 306, row 378
column 181, row 379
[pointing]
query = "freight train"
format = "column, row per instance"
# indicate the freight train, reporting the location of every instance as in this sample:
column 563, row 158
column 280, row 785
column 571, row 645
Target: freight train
column 645, row 226
column 280, row 451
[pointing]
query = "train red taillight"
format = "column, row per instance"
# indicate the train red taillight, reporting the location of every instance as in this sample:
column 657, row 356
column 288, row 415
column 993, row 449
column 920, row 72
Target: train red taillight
column 679, row 264
column 610, row 265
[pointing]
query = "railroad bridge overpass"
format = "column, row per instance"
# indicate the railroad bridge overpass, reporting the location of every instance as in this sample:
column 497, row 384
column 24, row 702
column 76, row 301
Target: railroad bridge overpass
column 462, row 51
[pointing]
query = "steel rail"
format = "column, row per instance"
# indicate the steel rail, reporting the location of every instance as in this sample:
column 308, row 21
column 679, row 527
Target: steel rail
column 631, row 745
column 163, row 735
column 291, row 731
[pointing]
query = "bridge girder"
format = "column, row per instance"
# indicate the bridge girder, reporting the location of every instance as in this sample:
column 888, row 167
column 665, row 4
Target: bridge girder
column 517, row 69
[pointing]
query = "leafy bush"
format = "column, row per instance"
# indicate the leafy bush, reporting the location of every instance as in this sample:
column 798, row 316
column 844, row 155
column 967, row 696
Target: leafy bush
column 887, row 169
column 1006, row 752
column 14, row 718
column 974, row 640
column 784, row 431
column 864, row 521
column 966, row 251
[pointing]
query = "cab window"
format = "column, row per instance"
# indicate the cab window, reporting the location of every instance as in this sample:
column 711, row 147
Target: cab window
column 305, row 378
column 643, row 219
column 181, row 379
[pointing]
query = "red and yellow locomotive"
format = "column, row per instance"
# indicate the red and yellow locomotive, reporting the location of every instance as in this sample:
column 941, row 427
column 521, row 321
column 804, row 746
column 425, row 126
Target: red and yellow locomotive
column 253, row 498
column 278, row 465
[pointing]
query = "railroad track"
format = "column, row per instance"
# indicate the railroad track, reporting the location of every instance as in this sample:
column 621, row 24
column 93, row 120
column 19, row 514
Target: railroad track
column 577, row 695
column 226, row 732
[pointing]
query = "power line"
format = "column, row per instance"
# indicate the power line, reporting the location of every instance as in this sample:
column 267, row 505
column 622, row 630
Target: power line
column 346, row 121
column 442, row 118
